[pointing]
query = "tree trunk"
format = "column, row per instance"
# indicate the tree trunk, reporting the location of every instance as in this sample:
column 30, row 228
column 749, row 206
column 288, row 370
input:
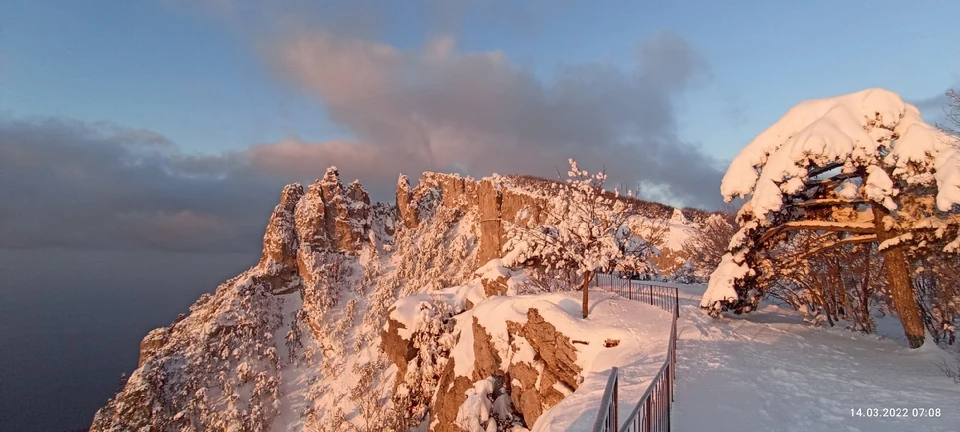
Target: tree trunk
column 586, row 292
column 866, row 323
column 897, row 271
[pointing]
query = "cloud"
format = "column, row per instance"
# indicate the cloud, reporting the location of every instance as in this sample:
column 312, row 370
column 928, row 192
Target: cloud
column 435, row 108
column 935, row 108
column 99, row 185
column 72, row 184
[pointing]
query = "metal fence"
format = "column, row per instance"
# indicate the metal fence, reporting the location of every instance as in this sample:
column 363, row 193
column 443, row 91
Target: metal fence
column 652, row 411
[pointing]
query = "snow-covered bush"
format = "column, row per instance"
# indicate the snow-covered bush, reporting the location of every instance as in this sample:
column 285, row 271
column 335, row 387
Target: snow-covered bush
column 476, row 413
column 432, row 336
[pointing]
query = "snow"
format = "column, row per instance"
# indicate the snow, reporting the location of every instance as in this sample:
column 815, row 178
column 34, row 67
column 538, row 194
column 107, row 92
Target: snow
column 895, row 241
column 879, row 187
column 769, row 371
column 848, row 190
column 722, row 281
column 477, row 408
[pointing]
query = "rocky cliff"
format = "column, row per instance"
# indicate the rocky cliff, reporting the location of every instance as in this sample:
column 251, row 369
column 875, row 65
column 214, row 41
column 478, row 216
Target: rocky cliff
column 303, row 341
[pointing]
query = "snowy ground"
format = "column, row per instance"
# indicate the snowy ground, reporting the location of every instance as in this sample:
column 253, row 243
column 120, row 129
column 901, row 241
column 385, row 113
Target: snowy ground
column 649, row 326
column 768, row 371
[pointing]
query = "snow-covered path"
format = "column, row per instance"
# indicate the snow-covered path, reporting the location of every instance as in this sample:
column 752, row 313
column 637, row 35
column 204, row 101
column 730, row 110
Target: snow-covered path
column 767, row 371
column 649, row 327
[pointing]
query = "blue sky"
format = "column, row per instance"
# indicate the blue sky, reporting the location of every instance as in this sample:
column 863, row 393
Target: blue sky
column 198, row 78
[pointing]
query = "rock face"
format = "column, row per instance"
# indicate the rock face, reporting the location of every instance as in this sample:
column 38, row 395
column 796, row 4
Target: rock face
column 309, row 217
column 499, row 200
column 152, row 342
column 496, row 199
column 553, row 347
column 494, row 285
column 400, row 351
column 533, row 386
column 331, row 221
column 405, row 209
column 491, row 228
column 330, row 216
column 280, row 243
column 448, row 400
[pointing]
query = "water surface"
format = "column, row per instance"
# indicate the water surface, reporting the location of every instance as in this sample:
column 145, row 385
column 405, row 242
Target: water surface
column 71, row 323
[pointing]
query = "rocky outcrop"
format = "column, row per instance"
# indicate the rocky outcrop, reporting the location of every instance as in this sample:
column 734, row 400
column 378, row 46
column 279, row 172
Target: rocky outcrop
column 554, row 348
column 534, row 390
column 452, row 388
column 494, row 284
column 405, row 206
column 333, row 217
column 316, row 250
column 400, row 351
column 346, row 213
column 152, row 343
column 496, row 199
column 309, row 219
column 534, row 385
column 450, row 395
column 280, row 242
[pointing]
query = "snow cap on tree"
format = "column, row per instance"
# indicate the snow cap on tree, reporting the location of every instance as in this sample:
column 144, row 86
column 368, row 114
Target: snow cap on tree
column 859, row 129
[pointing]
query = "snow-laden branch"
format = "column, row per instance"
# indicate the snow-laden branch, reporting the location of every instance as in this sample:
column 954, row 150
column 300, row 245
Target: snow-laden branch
column 829, row 202
column 816, row 225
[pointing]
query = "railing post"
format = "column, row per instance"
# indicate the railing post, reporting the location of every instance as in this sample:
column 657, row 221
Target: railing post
column 676, row 302
column 616, row 409
column 648, row 417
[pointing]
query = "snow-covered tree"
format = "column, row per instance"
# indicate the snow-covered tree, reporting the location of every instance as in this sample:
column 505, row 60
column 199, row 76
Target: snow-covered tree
column 858, row 168
column 585, row 230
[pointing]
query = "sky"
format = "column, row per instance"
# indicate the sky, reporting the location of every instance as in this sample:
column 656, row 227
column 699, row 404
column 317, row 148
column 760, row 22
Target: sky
column 132, row 129
column 185, row 118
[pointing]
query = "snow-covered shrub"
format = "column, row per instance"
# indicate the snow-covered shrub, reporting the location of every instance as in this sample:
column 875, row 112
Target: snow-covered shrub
column 432, row 337
column 372, row 400
column 476, row 413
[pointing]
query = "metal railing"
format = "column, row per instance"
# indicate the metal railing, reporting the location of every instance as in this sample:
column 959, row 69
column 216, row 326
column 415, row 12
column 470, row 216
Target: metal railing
column 652, row 412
